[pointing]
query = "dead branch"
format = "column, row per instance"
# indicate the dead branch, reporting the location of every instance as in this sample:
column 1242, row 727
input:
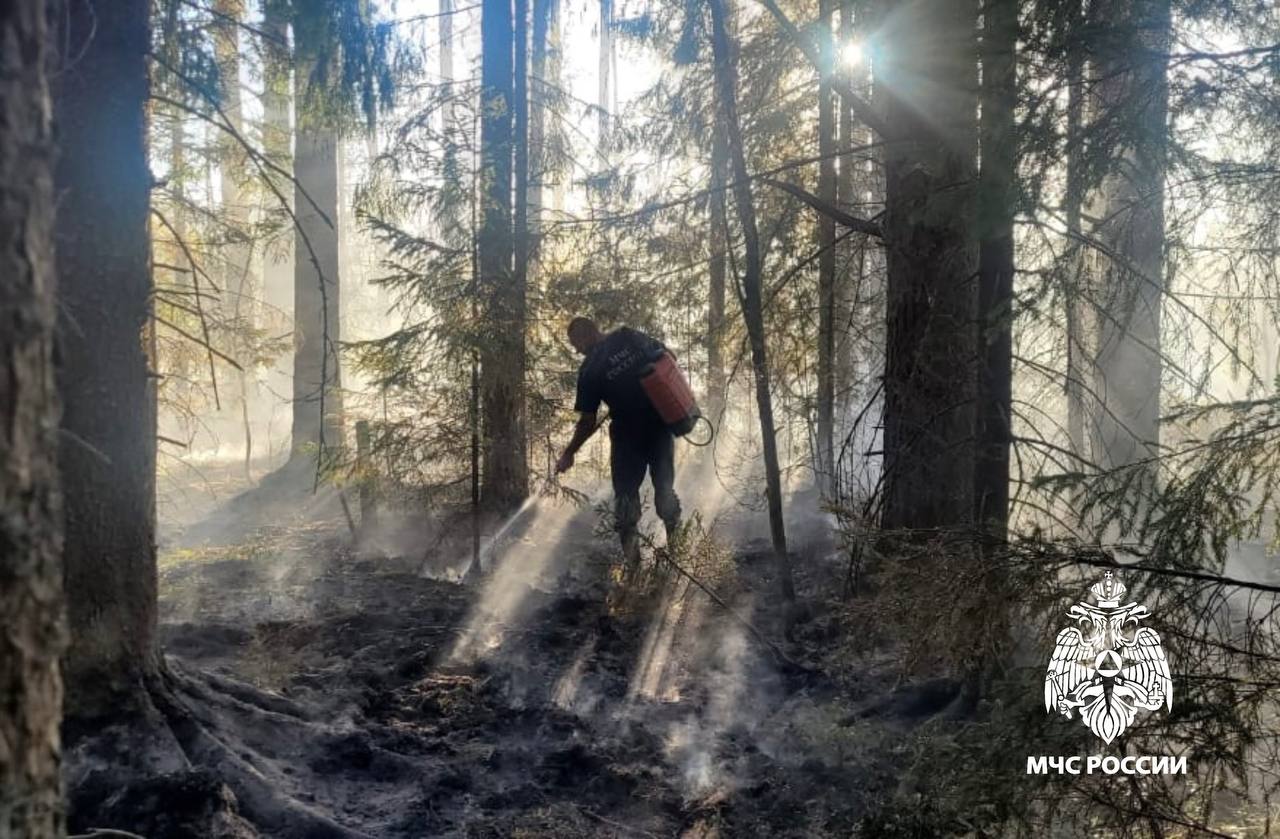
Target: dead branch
column 210, row 348
column 204, row 323
column 828, row 209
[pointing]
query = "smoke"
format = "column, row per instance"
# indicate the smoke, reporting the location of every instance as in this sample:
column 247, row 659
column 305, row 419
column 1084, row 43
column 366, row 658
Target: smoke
column 569, row 693
column 654, row 676
column 727, row 686
column 528, row 552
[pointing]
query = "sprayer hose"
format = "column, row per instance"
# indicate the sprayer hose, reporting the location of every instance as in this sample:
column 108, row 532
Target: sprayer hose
column 710, row 436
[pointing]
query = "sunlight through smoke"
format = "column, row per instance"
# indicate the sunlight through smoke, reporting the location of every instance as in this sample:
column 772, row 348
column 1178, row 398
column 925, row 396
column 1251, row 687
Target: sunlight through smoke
column 566, row 693
column 657, row 671
column 851, row 54
column 691, row 743
column 532, row 560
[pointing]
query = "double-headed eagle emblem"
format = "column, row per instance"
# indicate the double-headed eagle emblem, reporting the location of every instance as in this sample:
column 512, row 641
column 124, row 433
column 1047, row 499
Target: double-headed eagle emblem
column 1107, row 665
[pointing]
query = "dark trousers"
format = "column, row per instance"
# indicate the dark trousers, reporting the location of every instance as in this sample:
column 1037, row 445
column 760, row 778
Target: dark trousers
column 632, row 453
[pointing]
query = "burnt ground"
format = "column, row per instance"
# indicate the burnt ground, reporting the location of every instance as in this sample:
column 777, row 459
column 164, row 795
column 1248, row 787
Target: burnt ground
column 321, row 685
column 546, row 699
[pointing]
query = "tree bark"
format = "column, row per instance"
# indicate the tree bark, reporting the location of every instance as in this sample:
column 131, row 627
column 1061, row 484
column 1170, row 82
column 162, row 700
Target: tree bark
column 752, row 279
column 824, row 461
column 539, row 160
column 107, row 461
column 520, row 272
column 277, row 141
column 32, row 632
column 850, row 261
column 1132, row 93
column 717, row 239
column 448, row 119
column 997, row 193
column 555, row 66
column 239, row 290
column 927, row 84
column 603, row 63
column 1077, row 339
column 317, row 291
column 502, row 350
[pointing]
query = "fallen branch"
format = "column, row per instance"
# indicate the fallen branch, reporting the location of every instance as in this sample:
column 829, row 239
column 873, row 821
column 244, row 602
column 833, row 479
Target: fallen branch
column 779, row 656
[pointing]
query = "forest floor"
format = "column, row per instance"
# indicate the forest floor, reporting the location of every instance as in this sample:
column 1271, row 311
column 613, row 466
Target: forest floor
column 545, row 699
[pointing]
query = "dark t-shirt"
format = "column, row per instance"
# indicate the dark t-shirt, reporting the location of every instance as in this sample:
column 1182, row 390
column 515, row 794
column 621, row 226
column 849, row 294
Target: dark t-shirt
column 611, row 374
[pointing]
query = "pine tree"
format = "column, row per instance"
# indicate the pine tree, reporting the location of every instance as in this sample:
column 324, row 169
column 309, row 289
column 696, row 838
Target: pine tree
column 502, row 352
column 927, row 83
column 317, row 287
column 751, row 296
column 996, row 202
column 827, row 124
column 239, row 288
column 1131, row 108
column 104, row 303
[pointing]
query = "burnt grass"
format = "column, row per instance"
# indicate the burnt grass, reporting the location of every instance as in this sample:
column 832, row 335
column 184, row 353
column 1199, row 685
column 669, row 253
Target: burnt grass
column 539, row 732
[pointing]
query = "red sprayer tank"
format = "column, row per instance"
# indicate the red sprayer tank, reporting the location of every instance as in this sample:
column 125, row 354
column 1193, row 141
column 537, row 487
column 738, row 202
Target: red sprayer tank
column 669, row 391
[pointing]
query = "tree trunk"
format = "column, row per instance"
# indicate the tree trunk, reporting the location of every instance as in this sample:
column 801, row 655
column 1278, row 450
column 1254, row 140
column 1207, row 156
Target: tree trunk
column 603, row 63
column 277, row 141
column 317, row 400
column 181, row 376
column 824, row 461
column 238, row 287
column 543, row 14
column 448, row 118
column 521, row 151
column 520, row 272
column 926, row 83
column 1131, row 90
column 108, row 458
column 752, row 303
column 555, row 66
column 850, row 264
column 997, row 189
column 859, row 288
column 32, row 633
column 717, row 239
column 1077, row 346
column 502, row 350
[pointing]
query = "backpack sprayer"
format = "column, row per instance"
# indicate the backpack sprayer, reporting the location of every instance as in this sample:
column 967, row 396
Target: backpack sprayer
column 668, row 391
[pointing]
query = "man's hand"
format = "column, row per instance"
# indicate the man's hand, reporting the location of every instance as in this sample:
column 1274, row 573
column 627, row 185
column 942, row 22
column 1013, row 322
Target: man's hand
column 582, row 432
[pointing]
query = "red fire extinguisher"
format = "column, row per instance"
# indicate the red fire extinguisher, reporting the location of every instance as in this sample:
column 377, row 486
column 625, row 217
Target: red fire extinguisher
column 669, row 392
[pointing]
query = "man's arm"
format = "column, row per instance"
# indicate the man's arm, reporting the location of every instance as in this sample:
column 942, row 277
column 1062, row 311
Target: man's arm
column 582, row 432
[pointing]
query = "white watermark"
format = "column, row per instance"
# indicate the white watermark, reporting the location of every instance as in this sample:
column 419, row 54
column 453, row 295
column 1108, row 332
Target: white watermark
column 1107, row 765
column 1107, row 667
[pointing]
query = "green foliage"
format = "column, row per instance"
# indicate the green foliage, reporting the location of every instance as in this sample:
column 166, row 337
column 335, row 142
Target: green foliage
column 348, row 56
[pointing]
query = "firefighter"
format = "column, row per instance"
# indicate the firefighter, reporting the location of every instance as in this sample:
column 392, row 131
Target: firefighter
column 639, row 440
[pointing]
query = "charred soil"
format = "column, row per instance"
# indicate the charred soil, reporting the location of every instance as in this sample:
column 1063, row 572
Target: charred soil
column 370, row 698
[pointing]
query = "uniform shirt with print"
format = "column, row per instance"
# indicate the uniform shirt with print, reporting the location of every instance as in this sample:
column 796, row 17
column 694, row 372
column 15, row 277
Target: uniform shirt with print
column 611, row 372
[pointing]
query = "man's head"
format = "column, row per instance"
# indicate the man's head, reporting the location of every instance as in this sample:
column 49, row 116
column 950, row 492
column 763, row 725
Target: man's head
column 584, row 334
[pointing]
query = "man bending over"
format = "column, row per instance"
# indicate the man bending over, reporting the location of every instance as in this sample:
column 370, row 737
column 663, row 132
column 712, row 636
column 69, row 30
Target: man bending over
column 639, row 439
